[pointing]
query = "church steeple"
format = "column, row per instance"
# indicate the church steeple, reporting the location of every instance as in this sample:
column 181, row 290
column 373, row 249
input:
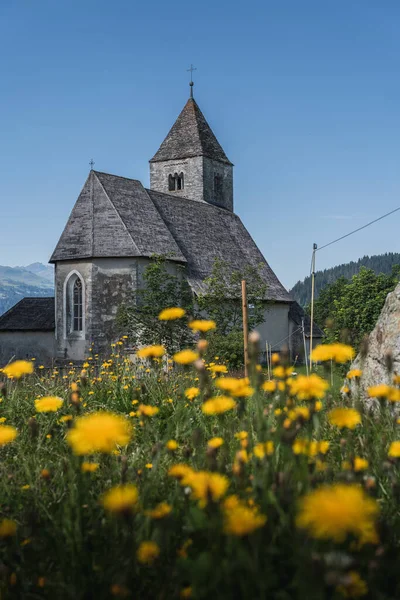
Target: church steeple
column 191, row 162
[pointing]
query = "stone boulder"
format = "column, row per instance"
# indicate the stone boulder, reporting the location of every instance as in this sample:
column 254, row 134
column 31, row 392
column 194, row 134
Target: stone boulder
column 383, row 341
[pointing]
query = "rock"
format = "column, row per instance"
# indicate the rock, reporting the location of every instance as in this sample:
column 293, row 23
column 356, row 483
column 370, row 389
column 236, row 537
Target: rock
column 383, row 346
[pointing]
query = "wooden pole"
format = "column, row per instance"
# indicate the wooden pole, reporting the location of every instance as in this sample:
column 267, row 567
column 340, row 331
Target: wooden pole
column 312, row 301
column 245, row 329
column 305, row 345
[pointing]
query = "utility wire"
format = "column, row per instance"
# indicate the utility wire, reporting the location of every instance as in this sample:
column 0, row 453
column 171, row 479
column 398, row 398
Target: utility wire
column 359, row 229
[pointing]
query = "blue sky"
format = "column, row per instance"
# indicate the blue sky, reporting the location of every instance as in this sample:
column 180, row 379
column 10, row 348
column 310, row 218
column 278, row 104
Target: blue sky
column 303, row 96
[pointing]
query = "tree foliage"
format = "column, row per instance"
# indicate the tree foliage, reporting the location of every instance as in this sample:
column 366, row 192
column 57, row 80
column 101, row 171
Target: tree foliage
column 348, row 310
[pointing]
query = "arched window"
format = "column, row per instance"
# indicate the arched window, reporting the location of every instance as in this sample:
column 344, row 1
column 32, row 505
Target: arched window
column 77, row 306
column 74, row 305
column 171, row 183
column 179, row 181
column 175, row 182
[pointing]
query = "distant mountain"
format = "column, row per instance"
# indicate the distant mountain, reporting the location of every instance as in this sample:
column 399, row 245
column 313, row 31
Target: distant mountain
column 19, row 282
column 381, row 263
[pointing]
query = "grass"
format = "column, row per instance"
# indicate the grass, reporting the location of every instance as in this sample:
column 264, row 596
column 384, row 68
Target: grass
column 67, row 545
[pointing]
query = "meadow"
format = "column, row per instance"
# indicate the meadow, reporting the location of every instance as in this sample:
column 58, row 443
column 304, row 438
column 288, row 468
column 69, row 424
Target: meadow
column 166, row 477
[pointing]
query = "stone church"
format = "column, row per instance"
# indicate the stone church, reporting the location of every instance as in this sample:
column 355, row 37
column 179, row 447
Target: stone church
column 114, row 229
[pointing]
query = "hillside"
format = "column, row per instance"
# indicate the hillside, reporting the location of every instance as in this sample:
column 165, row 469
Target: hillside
column 381, row 263
column 19, row 282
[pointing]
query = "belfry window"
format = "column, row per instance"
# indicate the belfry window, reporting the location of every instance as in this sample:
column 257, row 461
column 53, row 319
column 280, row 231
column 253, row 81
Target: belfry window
column 218, row 186
column 171, row 183
column 77, row 306
column 175, row 182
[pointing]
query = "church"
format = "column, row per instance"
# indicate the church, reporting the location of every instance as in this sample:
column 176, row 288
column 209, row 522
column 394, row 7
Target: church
column 114, row 229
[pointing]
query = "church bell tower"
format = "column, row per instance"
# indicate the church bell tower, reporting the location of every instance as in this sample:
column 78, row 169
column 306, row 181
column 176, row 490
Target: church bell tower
column 191, row 163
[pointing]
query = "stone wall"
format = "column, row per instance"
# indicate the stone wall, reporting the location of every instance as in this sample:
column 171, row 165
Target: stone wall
column 210, row 169
column 24, row 345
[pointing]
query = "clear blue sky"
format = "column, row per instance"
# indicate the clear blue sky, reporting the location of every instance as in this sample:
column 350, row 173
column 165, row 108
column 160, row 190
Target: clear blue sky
column 304, row 97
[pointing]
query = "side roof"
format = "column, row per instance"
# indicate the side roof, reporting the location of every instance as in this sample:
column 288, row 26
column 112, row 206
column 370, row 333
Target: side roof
column 30, row 314
column 190, row 136
column 117, row 217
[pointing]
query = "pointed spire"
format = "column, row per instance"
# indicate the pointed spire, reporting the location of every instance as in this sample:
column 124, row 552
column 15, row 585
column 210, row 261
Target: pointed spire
column 192, row 68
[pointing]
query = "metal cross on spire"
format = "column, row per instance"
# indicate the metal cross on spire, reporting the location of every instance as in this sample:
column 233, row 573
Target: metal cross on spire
column 92, row 163
column 192, row 68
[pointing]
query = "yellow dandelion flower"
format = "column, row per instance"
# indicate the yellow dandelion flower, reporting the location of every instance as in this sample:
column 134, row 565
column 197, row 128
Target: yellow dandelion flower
column 379, row 391
column 186, row 357
column 149, row 465
column 151, row 352
column 186, row 592
column 48, row 404
column 192, row 393
column 163, row 509
column 354, row 374
column 65, row 418
column 239, row 388
column 147, row 410
column 311, row 387
column 360, row 464
column 206, row 486
column 171, row 445
column 353, row 586
column 336, row 511
column 394, row 450
column 241, row 435
column 218, row 368
column 344, row 418
column 18, row 368
column 202, row 325
column 171, row 314
column 121, row 498
column 259, row 450
column 179, row 471
column 215, row 442
column 269, row 386
column 282, row 372
column 8, row 528
column 340, row 353
column 89, row 467
column 240, row 519
column 218, row 405
column 147, row 552
column 7, row 434
column 99, row 432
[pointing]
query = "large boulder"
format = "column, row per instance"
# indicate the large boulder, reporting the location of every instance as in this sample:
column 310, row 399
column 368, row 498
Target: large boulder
column 383, row 343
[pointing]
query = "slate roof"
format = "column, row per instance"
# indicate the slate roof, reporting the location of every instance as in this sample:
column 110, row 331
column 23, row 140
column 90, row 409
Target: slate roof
column 297, row 314
column 190, row 136
column 30, row 314
column 117, row 217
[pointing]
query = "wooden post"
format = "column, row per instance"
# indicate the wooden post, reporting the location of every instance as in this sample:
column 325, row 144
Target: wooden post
column 305, row 345
column 312, row 301
column 245, row 329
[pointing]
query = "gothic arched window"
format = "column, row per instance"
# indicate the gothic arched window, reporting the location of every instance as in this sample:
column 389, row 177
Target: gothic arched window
column 175, row 182
column 179, row 182
column 77, row 306
column 171, row 183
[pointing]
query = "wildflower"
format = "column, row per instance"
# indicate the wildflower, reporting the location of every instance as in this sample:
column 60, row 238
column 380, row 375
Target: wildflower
column 192, row 393
column 202, row 325
column 7, row 528
column 215, row 442
column 171, row 445
column 163, row 509
column 89, row 467
column 3, row 419
column 7, row 434
column 379, row 391
column 394, row 450
column 241, row 435
column 240, row 519
column 218, row 368
column 18, row 368
column 171, row 314
column 99, row 432
column 186, row 592
column 353, row 586
column 151, row 352
column 218, row 405
column 239, row 388
column 269, row 386
column 340, row 353
column 354, row 374
column 282, row 372
column 149, row 465
column 65, row 418
column 206, row 486
column 147, row 410
column 48, row 404
column 360, row 464
column 147, row 553
column 299, row 412
column 179, row 471
column 259, row 450
column 45, row 474
column 121, row 498
column 308, row 387
column 336, row 511
column 186, row 357
column 344, row 417
column 345, row 389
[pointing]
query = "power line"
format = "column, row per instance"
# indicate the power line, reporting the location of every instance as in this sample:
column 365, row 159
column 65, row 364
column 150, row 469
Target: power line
column 359, row 229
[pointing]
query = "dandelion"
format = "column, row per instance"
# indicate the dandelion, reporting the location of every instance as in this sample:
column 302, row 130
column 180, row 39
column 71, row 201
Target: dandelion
column 379, row 391
column 240, row 519
column 394, row 450
column 206, row 486
column 241, row 435
column 147, row 552
column 18, row 368
column 45, row 474
column 282, row 372
column 151, row 352
column 7, row 434
column 218, row 405
column 48, row 404
column 344, row 418
column 336, row 511
column 186, row 357
column 171, row 314
column 192, row 393
column 340, row 353
column 269, row 386
column 354, row 374
column 360, row 464
column 239, row 388
column 179, row 471
column 65, row 418
column 121, row 498
column 202, row 325
column 99, row 432
column 89, row 467
column 215, row 442
column 171, row 445
column 186, row 592
column 147, row 410
column 353, row 586
column 163, row 509
column 8, row 528
column 218, row 368
column 310, row 387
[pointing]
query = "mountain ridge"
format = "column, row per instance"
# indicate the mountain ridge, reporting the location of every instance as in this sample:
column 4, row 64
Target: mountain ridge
column 16, row 283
